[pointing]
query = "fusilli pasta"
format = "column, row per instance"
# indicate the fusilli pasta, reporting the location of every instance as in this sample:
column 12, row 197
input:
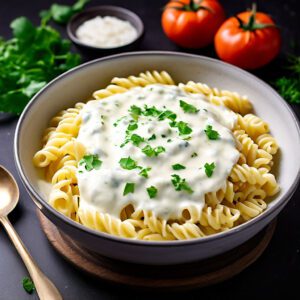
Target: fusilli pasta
column 242, row 196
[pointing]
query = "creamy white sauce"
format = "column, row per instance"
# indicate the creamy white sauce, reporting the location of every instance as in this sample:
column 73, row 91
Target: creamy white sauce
column 103, row 188
column 106, row 32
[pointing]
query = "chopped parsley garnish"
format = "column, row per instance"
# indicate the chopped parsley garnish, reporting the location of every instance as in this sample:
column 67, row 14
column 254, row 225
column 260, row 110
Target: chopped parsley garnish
column 91, row 162
column 127, row 163
column 144, row 172
column 152, row 137
column 180, row 184
column 129, row 188
column 167, row 114
column 149, row 151
column 159, row 150
column 152, row 191
column 209, row 169
column 183, row 128
column 132, row 126
column 211, row 133
column 188, row 108
column 151, row 111
column 135, row 112
column 28, row 285
column 169, row 141
column 136, row 139
column 194, row 154
column 178, row 167
column 118, row 121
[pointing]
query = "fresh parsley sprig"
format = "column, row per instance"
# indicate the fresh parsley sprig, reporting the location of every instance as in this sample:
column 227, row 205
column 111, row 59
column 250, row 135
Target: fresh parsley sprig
column 28, row 61
column 289, row 86
column 62, row 13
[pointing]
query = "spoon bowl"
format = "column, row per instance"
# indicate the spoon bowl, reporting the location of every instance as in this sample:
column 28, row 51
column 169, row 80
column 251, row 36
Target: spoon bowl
column 9, row 192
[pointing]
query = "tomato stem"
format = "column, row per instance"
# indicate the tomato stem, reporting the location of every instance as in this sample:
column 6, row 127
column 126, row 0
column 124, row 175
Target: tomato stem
column 252, row 25
column 192, row 6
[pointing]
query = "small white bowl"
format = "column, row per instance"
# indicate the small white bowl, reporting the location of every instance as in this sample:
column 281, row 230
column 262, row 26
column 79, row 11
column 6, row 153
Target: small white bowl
column 80, row 82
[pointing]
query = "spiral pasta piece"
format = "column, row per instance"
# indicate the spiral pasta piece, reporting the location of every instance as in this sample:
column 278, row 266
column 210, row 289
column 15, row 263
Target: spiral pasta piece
column 106, row 223
column 122, row 85
column 185, row 231
column 255, row 157
column 61, row 198
column 232, row 100
column 267, row 143
column 253, row 125
column 219, row 217
column 225, row 193
column 156, row 225
column 245, row 173
column 251, row 208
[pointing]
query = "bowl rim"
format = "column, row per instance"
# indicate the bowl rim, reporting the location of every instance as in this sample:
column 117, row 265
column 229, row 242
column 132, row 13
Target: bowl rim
column 173, row 243
column 140, row 28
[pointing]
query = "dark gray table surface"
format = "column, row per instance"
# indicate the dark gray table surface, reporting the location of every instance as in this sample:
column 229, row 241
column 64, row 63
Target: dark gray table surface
column 274, row 276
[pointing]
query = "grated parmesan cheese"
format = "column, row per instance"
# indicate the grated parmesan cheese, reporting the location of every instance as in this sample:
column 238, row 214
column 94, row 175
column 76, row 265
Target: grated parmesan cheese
column 106, row 32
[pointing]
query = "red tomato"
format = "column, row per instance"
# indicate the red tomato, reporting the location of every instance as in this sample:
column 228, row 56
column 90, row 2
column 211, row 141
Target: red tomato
column 249, row 40
column 192, row 23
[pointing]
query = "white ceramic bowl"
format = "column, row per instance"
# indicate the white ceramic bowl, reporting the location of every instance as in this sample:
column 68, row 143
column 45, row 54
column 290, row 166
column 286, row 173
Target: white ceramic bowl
column 79, row 83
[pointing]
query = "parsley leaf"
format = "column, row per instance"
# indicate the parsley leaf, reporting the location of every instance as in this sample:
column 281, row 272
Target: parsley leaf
column 136, row 139
column 211, row 133
column 144, row 172
column 28, row 285
column 129, row 188
column 91, row 162
column 132, row 126
column 188, row 108
column 135, row 112
column 194, row 154
column 152, row 191
column 180, row 184
column 289, row 86
column 151, row 111
column 127, row 163
column 183, row 128
column 150, row 152
column 209, row 169
column 62, row 13
column 167, row 114
column 178, row 167
column 152, row 137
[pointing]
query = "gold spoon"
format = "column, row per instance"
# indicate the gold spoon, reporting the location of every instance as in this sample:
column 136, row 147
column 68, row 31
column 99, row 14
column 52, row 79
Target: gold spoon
column 9, row 197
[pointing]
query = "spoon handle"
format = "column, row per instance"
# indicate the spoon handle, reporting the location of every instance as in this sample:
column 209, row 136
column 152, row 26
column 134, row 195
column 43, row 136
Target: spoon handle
column 44, row 287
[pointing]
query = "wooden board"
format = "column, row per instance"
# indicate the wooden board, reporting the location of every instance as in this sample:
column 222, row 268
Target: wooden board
column 179, row 277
